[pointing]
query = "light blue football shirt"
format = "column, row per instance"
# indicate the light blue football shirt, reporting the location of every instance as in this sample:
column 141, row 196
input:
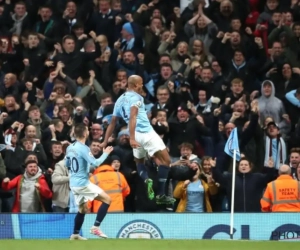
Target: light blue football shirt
column 79, row 158
column 122, row 109
column 195, row 197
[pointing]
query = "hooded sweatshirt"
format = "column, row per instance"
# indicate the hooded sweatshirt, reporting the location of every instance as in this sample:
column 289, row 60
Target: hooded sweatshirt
column 271, row 106
column 29, row 200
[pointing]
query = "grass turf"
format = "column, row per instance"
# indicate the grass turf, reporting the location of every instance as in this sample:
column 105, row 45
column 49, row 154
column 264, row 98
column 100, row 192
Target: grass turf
column 127, row 244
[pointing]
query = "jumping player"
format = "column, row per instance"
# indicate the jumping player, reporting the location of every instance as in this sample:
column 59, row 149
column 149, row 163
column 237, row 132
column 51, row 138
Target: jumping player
column 143, row 139
column 78, row 160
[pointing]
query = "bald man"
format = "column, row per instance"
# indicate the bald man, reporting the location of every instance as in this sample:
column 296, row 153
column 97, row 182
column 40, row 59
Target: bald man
column 143, row 139
column 283, row 194
column 30, row 132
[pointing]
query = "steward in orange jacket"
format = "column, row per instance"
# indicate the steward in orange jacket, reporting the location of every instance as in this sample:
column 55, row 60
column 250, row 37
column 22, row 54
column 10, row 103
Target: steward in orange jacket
column 283, row 194
column 114, row 184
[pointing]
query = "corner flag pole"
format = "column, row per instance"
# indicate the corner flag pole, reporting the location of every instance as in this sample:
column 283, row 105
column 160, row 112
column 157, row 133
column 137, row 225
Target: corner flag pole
column 232, row 194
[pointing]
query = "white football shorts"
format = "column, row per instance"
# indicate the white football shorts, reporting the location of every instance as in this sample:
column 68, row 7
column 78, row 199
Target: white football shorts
column 85, row 194
column 150, row 144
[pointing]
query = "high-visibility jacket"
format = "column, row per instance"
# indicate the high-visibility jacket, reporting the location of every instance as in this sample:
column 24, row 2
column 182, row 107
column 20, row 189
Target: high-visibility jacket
column 282, row 195
column 114, row 184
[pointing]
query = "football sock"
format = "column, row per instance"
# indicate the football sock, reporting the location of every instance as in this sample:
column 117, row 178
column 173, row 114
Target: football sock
column 142, row 171
column 102, row 211
column 163, row 172
column 78, row 221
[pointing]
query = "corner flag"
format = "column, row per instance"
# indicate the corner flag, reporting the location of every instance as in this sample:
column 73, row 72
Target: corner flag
column 233, row 144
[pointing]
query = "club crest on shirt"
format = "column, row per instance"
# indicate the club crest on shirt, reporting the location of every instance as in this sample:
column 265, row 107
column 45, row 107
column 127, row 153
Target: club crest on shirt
column 139, row 104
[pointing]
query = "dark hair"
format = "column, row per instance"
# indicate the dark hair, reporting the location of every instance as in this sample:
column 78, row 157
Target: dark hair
column 20, row 3
column 56, row 143
column 296, row 24
column 31, row 153
column 10, row 96
column 295, row 150
column 25, row 140
column 163, row 87
column 186, row 145
column 79, row 130
column 95, row 141
column 68, row 37
column 32, row 33
column 239, row 51
column 46, row 6
column 30, row 162
column 166, row 65
column 105, row 96
column 32, row 108
column 164, row 55
column 206, row 158
column 246, row 159
column 56, row 121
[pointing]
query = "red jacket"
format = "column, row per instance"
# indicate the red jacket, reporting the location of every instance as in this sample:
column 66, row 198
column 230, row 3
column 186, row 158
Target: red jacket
column 43, row 192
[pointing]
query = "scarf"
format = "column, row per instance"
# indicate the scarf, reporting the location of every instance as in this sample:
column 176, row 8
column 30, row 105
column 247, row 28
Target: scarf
column 17, row 27
column 206, row 106
column 107, row 119
column 280, row 158
column 48, row 27
column 127, row 45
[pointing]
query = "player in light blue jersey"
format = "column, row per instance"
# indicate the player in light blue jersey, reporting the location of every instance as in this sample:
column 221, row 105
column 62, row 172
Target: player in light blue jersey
column 78, row 160
column 143, row 139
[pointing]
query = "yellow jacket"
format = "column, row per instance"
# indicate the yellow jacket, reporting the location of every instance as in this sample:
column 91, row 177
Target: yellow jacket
column 180, row 193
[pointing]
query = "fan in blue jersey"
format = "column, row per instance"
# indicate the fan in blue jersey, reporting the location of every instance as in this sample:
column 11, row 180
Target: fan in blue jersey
column 78, row 160
column 143, row 139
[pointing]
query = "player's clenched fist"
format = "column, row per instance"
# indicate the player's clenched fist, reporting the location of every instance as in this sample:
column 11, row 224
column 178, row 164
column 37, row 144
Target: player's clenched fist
column 108, row 150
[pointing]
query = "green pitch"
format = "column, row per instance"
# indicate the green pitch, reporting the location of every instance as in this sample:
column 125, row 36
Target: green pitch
column 126, row 244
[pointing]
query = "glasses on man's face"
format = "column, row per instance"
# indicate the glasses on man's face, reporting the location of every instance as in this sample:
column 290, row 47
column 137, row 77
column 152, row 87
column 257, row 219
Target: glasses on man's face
column 163, row 94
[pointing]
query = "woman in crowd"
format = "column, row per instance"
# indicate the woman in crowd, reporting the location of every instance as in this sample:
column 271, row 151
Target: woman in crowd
column 195, row 194
column 248, row 186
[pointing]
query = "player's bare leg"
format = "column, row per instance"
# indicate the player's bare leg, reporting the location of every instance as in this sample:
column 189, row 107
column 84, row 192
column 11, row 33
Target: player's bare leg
column 142, row 171
column 78, row 221
column 105, row 199
column 163, row 170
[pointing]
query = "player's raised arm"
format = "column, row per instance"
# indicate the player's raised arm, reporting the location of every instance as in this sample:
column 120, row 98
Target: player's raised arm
column 109, row 131
column 88, row 156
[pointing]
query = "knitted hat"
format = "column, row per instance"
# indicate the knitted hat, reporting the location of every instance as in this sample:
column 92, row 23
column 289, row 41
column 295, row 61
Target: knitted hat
column 115, row 158
column 123, row 132
column 128, row 28
column 183, row 107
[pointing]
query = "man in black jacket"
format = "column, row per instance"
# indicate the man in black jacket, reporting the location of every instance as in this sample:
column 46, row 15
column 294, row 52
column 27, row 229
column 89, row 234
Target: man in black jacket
column 75, row 61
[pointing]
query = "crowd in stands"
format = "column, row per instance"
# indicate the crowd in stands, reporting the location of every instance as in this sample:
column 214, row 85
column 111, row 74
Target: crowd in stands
column 211, row 67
